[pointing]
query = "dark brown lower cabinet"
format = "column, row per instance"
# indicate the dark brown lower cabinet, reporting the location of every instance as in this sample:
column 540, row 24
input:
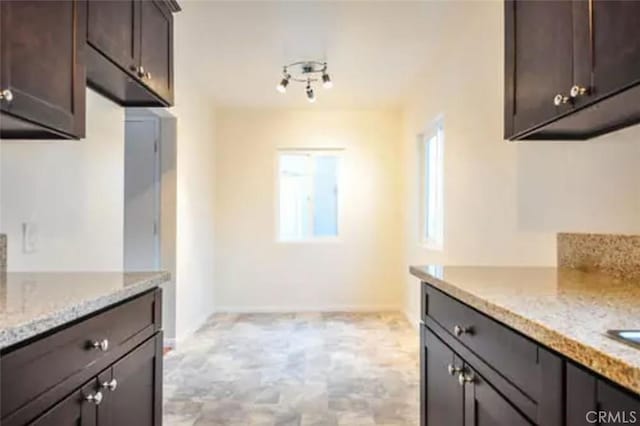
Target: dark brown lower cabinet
column 485, row 406
column 104, row 370
column 591, row 400
column 127, row 394
column 72, row 411
column 476, row 371
column 455, row 394
column 133, row 388
column 444, row 397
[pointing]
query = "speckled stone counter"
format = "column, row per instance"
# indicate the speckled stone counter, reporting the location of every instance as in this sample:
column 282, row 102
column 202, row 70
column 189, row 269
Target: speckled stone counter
column 614, row 254
column 564, row 309
column 34, row 303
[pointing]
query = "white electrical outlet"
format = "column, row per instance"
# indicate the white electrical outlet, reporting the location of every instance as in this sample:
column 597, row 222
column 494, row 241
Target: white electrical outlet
column 29, row 237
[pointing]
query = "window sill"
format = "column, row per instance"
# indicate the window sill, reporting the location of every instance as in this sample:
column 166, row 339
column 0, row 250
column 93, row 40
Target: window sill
column 328, row 240
column 431, row 246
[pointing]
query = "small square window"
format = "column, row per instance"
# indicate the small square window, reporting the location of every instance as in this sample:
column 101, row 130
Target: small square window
column 308, row 183
column 432, row 179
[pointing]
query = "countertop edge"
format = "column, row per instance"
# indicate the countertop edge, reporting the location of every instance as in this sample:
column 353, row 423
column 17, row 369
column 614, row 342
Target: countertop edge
column 602, row 363
column 16, row 334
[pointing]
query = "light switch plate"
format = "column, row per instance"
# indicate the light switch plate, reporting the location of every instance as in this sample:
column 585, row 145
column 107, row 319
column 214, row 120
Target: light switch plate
column 29, row 237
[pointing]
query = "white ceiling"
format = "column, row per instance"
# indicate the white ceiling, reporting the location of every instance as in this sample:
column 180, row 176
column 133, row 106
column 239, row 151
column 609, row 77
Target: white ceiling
column 375, row 50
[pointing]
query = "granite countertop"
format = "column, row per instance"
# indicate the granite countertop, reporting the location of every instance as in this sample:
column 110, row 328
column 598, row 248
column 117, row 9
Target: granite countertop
column 564, row 309
column 34, row 303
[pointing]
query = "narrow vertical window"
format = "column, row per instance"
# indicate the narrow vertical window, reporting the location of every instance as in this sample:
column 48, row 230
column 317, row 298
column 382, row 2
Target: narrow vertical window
column 432, row 206
column 308, row 195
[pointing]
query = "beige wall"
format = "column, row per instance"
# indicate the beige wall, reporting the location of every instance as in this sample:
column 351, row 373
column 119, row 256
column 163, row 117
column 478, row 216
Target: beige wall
column 195, row 178
column 253, row 271
column 504, row 202
column 72, row 190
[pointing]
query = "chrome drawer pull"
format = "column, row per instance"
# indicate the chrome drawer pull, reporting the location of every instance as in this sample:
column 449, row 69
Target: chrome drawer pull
column 459, row 330
column 96, row 398
column 6, row 95
column 453, row 370
column 111, row 385
column 102, row 345
column 578, row 91
column 560, row 99
column 465, row 378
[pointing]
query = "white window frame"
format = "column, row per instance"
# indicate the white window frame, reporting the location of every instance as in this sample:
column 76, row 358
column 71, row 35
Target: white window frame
column 430, row 238
column 337, row 152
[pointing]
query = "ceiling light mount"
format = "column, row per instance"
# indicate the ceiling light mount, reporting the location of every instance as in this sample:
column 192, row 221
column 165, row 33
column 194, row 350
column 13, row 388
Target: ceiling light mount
column 306, row 72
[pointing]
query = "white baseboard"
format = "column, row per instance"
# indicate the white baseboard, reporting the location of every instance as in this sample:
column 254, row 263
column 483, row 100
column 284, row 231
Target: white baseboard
column 314, row 308
column 190, row 331
column 414, row 321
column 169, row 342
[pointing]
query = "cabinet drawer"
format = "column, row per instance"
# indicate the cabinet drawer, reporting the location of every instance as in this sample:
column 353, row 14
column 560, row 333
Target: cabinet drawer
column 35, row 376
column 515, row 357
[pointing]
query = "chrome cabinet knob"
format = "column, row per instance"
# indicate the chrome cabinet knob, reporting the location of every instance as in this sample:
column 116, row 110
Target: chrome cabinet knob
column 560, row 99
column 102, row 345
column 141, row 72
column 465, row 378
column 110, row 385
column 96, row 398
column 6, row 95
column 453, row 370
column 578, row 91
column 459, row 330
column 147, row 75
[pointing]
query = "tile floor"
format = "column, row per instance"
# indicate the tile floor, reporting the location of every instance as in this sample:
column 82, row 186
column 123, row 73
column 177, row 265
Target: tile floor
column 320, row 369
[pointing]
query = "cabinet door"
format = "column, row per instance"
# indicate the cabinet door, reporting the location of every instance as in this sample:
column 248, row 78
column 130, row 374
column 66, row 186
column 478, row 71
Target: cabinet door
column 133, row 392
column 443, row 395
column 484, row 406
column 75, row 410
column 621, row 407
column 589, row 398
column 156, row 57
column 616, row 35
column 539, row 56
column 42, row 64
column 113, row 28
column 581, row 396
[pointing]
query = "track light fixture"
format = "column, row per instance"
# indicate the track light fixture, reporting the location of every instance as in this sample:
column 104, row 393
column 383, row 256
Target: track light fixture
column 305, row 72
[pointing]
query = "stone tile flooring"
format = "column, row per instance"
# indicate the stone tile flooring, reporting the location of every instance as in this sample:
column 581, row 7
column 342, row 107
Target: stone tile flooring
column 320, row 369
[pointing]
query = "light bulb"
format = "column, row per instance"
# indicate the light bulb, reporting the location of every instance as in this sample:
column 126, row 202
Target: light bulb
column 311, row 96
column 282, row 87
column 326, row 81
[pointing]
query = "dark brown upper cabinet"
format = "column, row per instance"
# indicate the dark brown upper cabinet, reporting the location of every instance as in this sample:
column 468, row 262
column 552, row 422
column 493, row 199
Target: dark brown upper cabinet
column 112, row 29
column 156, row 48
column 42, row 71
column 572, row 68
column 130, row 50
